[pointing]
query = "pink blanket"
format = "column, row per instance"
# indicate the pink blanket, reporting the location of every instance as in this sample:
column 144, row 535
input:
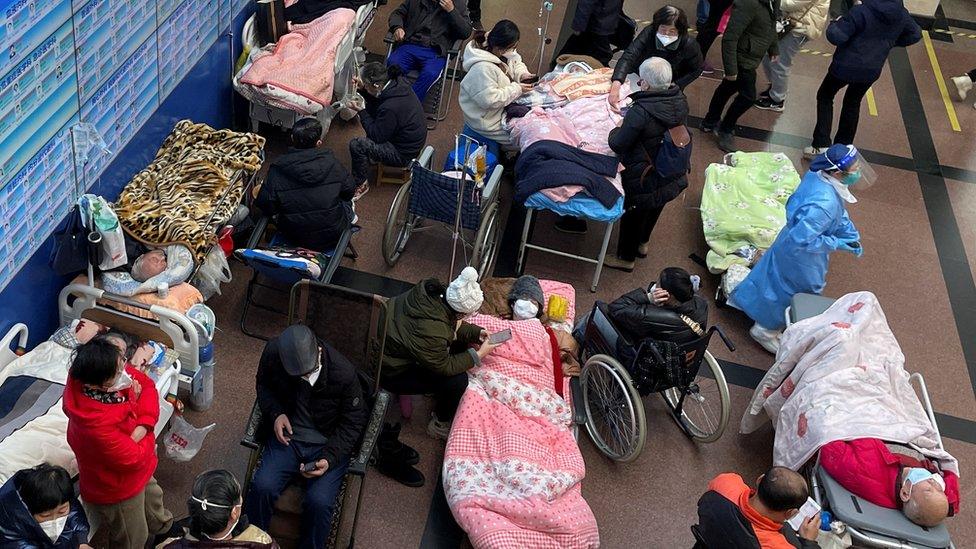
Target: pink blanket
column 512, row 469
column 303, row 61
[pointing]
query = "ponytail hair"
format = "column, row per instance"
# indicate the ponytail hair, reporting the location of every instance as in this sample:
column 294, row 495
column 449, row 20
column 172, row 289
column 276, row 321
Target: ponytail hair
column 504, row 35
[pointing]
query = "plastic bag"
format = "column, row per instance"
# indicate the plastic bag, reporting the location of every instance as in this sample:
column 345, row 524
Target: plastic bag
column 112, row 248
column 212, row 273
column 183, row 440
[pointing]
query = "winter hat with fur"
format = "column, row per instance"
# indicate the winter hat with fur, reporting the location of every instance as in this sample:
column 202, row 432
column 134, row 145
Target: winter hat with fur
column 464, row 294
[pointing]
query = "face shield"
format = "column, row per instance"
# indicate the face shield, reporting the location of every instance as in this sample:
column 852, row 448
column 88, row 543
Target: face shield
column 855, row 171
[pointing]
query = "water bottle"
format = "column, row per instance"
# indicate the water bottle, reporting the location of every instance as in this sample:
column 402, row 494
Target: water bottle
column 201, row 388
column 162, row 290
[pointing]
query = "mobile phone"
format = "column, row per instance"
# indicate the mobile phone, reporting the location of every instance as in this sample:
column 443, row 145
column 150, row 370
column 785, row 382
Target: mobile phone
column 809, row 508
column 309, row 467
column 500, row 337
column 855, row 244
column 533, row 80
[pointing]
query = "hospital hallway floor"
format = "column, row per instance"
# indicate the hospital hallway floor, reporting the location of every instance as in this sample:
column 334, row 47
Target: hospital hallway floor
column 918, row 227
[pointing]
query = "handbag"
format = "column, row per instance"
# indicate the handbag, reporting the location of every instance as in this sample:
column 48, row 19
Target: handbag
column 673, row 157
column 70, row 253
column 624, row 33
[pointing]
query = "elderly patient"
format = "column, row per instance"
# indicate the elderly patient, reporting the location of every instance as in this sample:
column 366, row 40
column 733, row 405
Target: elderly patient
column 889, row 478
column 148, row 265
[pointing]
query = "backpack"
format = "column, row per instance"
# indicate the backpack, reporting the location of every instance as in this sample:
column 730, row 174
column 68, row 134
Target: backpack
column 673, row 158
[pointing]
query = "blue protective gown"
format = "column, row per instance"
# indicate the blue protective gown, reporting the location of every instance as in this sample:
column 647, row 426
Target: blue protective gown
column 816, row 224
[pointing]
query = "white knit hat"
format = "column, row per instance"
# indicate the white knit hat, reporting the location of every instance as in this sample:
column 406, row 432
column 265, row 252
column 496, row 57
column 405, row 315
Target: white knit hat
column 464, row 294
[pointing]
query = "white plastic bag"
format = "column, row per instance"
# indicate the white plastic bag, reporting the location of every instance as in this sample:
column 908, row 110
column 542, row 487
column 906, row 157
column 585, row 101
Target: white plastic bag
column 212, row 273
column 183, row 440
column 112, row 248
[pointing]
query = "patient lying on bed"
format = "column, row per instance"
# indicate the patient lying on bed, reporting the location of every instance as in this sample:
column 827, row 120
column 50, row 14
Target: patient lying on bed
column 148, row 265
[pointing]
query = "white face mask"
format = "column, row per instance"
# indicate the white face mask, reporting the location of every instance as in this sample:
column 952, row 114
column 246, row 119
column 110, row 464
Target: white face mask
column 124, row 381
column 312, row 377
column 666, row 40
column 53, row 528
column 524, row 309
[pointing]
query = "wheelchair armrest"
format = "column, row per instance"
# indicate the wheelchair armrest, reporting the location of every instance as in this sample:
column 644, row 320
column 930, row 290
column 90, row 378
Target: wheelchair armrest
column 258, row 233
column 337, row 255
column 357, row 466
column 456, row 47
column 388, row 39
column 252, row 431
column 725, row 338
column 579, row 412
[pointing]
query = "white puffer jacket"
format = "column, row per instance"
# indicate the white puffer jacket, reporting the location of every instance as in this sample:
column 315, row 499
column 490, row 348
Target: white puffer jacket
column 488, row 87
column 810, row 16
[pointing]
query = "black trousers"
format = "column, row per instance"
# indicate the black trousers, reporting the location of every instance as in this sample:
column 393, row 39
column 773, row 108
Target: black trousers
column 744, row 90
column 474, row 10
column 850, row 112
column 636, row 226
column 447, row 390
column 972, row 75
column 587, row 43
column 709, row 31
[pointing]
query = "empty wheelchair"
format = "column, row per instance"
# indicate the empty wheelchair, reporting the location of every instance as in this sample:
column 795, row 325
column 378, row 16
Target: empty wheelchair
column 613, row 380
column 433, row 197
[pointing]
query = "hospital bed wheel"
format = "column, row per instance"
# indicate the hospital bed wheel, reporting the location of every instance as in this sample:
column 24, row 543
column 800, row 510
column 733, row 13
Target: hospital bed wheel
column 399, row 225
column 614, row 410
column 486, row 242
column 706, row 407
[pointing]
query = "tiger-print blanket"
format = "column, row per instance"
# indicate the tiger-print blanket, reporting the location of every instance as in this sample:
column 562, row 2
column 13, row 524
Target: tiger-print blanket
column 173, row 199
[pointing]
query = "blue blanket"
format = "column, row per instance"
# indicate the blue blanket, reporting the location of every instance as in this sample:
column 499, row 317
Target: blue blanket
column 548, row 164
column 24, row 399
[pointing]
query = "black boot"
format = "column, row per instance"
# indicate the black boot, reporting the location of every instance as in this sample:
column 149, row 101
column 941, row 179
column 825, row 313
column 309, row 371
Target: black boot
column 402, row 452
column 392, row 456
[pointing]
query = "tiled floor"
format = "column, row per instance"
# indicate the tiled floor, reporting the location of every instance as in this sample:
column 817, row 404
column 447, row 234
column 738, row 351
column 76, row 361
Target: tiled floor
column 919, row 233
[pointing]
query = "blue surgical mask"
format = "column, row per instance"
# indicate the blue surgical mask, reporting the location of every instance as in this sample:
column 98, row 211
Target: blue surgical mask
column 916, row 475
column 851, row 178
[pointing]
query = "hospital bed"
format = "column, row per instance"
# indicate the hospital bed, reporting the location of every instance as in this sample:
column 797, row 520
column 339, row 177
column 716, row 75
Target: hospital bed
column 33, row 426
column 349, row 56
column 869, row 525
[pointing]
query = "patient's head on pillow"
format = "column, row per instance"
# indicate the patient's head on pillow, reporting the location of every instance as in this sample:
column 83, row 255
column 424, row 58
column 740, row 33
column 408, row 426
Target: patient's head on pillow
column 923, row 497
column 46, row 491
column 148, row 265
column 526, row 298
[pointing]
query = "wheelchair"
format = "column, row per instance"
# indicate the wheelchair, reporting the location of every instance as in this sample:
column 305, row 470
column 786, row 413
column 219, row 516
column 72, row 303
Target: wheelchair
column 431, row 196
column 360, row 338
column 435, row 107
column 608, row 401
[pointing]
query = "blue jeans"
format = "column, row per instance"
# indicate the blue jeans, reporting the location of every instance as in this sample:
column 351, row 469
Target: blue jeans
column 424, row 60
column 701, row 12
column 778, row 73
column 279, row 466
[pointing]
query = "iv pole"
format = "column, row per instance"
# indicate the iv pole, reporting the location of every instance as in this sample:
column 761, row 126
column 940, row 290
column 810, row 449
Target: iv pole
column 545, row 10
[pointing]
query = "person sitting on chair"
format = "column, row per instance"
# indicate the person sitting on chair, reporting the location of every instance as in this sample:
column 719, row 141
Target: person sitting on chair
column 668, row 310
column 215, row 508
column 308, row 191
column 39, row 510
column 732, row 515
column 867, row 468
column 394, row 122
column 313, row 397
column 148, row 265
column 425, row 30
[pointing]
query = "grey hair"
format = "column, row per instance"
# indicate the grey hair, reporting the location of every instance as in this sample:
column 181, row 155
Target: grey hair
column 137, row 272
column 375, row 73
column 656, row 74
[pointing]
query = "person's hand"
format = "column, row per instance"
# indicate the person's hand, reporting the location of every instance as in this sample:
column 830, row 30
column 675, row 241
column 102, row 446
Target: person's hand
column 357, row 82
column 483, row 336
column 85, row 546
column 398, row 34
column 731, row 77
column 136, row 389
column 774, row 58
column 527, row 76
column 852, row 247
column 571, row 368
column 321, row 466
column 282, row 429
column 139, row 433
column 526, row 87
column 446, row 5
column 486, row 348
column 140, row 359
column 810, row 528
column 659, row 297
column 614, row 98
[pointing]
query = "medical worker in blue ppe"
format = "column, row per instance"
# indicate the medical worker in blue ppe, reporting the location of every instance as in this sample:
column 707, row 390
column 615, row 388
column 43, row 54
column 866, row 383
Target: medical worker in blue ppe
column 816, row 224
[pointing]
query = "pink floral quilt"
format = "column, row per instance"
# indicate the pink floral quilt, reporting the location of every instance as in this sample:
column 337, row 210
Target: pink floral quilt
column 512, row 469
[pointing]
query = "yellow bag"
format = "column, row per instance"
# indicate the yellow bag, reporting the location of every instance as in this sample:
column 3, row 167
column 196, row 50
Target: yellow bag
column 557, row 308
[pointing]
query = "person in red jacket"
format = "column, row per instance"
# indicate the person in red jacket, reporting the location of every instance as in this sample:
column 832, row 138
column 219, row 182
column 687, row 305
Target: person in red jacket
column 869, row 470
column 112, row 409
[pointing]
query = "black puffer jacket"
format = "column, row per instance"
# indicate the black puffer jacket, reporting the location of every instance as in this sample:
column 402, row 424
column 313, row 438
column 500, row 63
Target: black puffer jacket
column 685, row 59
column 424, row 22
column 637, row 140
column 19, row 529
column 396, row 117
column 305, row 190
column 337, row 406
column 750, row 35
column 597, row 16
column 639, row 319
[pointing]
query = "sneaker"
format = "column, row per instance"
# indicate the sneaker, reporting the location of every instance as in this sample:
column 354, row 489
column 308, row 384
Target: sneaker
column 707, row 68
column 962, row 85
column 571, row 225
column 812, row 152
column 642, row 250
column 708, row 127
column 438, row 429
column 765, row 93
column 769, row 339
column 767, row 104
column 726, row 141
column 361, row 191
column 615, row 262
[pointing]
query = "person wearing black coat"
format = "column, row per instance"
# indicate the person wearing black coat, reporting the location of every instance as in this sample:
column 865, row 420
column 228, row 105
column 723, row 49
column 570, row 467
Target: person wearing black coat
column 666, row 37
column 594, row 22
column 39, row 510
column 308, row 191
column 863, row 37
column 394, row 121
column 313, row 398
column 658, row 107
column 668, row 310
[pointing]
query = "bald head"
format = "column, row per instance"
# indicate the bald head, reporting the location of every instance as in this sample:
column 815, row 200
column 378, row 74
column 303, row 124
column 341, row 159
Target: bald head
column 148, row 265
column 782, row 490
column 925, row 503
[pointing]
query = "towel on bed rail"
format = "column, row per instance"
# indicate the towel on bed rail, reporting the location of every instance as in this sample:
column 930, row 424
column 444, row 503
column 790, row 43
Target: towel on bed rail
column 547, row 164
column 303, row 62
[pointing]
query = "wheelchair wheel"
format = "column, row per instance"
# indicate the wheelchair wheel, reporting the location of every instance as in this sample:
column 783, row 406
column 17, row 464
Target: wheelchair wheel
column 614, row 410
column 399, row 224
column 486, row 242
column 706, row 405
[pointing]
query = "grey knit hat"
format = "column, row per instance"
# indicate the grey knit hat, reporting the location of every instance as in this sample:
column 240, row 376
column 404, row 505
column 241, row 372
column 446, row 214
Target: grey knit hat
column 527, row 287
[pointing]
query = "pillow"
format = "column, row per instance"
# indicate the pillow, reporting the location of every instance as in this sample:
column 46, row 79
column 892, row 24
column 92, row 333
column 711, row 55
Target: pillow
column 77, row 332
column 308, row 263
column 179, row 267
column 181, row 297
